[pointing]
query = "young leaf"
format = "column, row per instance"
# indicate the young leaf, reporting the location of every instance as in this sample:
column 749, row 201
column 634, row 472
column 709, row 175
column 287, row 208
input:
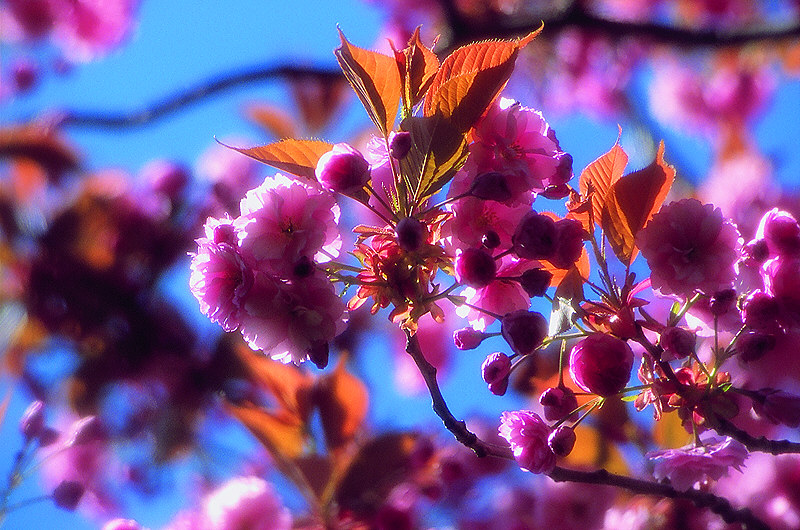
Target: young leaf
column 375, row 77
column 342, row 400
column 600, row 175
column 272, row 119
column 420, row 67
column 278, row 433
column 632, row 201
column 298, row 157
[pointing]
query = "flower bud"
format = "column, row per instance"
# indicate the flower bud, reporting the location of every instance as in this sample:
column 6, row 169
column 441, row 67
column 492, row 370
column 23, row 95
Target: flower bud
column 779, row 407
column 781, row 233
column 167, row 178
column 569, row 243
column 303, row 268
column 491, row 186
column 25, row 74
column 468, row 338
column 678, row 343
column 761, row 311
column 558, row 403
column 535, row 237
column 475, row 267
column 343, row 170
column 601, row 364
column 68, row 494
column 400, row 144
column 722, row 302
column 495, row 370
column 755, row 252
column 122, row 524
column 411, row 233
column 753, row 345
column 535, row 281
column 32, row 422
column 523, row 330
column 87, row 430
column 490, row 240
column 562, row 440
column 318, row 354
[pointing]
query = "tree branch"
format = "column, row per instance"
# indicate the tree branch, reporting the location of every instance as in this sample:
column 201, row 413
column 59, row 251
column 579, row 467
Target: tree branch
column 761, row 444
column 182, row 99
column 702, row 499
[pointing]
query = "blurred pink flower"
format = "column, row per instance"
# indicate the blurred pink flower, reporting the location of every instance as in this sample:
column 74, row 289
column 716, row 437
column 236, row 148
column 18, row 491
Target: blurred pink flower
column 245, row 503
column 527, row 434
column 688, row 465
column 88, row 29
column 284, row 220
column 689, row 246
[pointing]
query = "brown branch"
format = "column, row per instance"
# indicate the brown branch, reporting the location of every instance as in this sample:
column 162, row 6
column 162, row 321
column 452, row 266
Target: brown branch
column 761, row 444
column 458, row 428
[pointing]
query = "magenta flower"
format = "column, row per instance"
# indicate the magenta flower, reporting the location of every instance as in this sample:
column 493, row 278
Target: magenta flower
column 601, row 364
column 283, row 221
column 689, row 246
column 527, row 433
column 781, row 232
column 344, row 170
column 245, row 502
column 782, row 281
column 475, row 267
column 686, row 466
column 495, row 370
column 88, row 29
column 220, row 278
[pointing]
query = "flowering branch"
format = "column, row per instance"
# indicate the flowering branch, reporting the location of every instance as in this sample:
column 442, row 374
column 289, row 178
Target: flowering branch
column 702, row 499
column 762, row 444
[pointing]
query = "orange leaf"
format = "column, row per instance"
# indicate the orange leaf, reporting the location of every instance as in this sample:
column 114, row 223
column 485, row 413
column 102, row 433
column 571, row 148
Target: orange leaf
column 274, row 120
column 342, row 400
column 318, row 99
column 594, row 451
column 600, row 175
column 421, row 67
column 375, row 77
column 632, row 201
column 298, row 157
column 281, row 434
column 470, row 78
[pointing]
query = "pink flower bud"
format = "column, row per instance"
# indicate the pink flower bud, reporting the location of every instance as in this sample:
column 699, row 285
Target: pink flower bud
column 344, row 170
column 558, row 403
column 755, row 252
column 722, row 302
column 527, row 434
column 68, row 494
column 25, row 75
column 495, row 370
column 167, row 178
column 761, row 311
column 601, row 364
column 753, row 345
column 32, row 423
column 781, row 232
column 678, row 343
column 468, row 338
column 779, row 407
column 562, row 440
column 782, row 280
column 555, row 192
column 475, row 267
column 122, row 524
column 569, row 243
column 400, row 144
column 490, row 240
column 535, row 281
column 318, row 354
column 491, row 186
column 523, row 330
column 535, row 237
column 87, row 430
column 411, row 234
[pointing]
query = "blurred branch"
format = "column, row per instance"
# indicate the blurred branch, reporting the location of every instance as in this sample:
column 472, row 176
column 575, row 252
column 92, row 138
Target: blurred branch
column 761, row 444
column 193, row 95
column 458, row 428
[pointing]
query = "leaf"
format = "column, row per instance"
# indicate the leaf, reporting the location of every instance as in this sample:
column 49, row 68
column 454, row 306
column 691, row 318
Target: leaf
column 420, row 67
column 375, row 77
column 594, row 451
column 342, row 400
column 318, row 98
column 274, row 120
column 669, row 432
column 470, row 78
column 298, row 157
column 600, row 175
column 438, row 151
column 632, row 201
column 280, row 434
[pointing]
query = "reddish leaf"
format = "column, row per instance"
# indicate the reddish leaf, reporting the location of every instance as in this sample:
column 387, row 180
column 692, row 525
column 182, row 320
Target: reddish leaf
column 420, row 65
column 375, row 78
column 318, row 99
column 274, row 120
column 317, row 472
column 600, row 175
column 280, row 434
column 342, row 400
column 632, row 201
column 298, row 157
column 40, row 144
column 471, row 78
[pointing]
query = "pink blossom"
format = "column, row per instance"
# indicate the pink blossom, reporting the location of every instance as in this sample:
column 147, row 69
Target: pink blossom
column 87, row 29
column 499, row 297
column 292, row 322
column 220, row 278
column 283, row 221
column 473, row 218
column 245, row 502
column 122, row 524
column 229, row 172
column 601, row 364
column 689, row 465
column 527, row 434
column 781, row 232
column 689, row 246
column 782, row 281
column 518, row 142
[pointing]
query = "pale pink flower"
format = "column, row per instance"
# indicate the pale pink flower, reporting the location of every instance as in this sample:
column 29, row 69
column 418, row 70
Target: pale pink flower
column 292, row 322
column 518, row 142
column 245, row 503
column 527, row 434
column 688, row 465
column 499, row 297
column 689, row 246
column 220, row 278
column 284, row 220
column 87, row 29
